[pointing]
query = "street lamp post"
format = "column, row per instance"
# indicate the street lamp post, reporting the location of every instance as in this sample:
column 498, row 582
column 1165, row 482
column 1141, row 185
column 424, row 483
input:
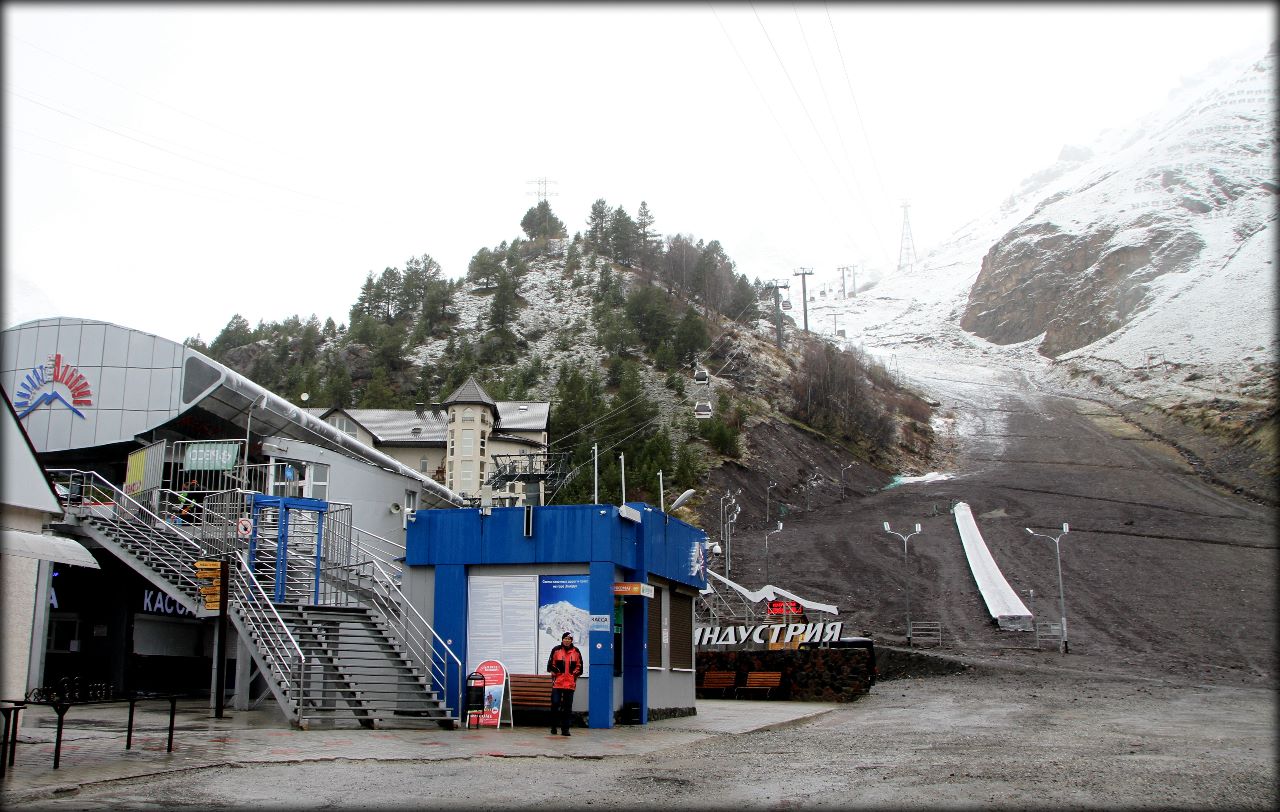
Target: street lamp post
column 1062, row 601
column 768, row 533
column 728, row 546
column 842, row 470
column 908, row 571
column 772, row 485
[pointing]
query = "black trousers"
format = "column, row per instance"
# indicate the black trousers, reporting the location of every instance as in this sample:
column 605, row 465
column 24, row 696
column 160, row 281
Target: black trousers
column 562, row 707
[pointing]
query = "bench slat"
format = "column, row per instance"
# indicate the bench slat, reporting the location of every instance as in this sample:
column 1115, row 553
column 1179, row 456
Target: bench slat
column 761, row 681
column 531, row 690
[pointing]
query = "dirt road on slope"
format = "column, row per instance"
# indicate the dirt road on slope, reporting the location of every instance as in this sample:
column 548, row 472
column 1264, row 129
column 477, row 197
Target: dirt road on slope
column 1164, row 575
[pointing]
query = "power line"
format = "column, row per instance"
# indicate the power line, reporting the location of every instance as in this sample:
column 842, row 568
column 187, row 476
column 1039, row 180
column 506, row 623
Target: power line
column 781, row 129
column 799, row 98
column 138, row 93
column 146, row 143
column 875, row 167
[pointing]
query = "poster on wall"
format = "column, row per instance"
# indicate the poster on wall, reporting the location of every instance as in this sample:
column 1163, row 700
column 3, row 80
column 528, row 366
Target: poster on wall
column 563, row 601
column 501, row 622
column 495, row 686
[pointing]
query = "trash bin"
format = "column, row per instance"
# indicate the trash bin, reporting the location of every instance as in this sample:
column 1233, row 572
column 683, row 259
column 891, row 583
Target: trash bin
column 475, row 697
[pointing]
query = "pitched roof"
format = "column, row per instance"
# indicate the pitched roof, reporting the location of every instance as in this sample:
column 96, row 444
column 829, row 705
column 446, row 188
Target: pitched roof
column 471, row 392
column 523, row 415
column 401, row 426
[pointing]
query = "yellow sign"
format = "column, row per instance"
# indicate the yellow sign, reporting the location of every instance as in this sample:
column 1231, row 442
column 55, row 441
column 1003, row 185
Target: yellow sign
column 134, row 471
column 212, row 603
column 211, row 590
column 208, row 565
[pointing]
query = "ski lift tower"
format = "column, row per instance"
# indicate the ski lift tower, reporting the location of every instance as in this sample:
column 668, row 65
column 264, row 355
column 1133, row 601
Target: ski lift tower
column 907, row 248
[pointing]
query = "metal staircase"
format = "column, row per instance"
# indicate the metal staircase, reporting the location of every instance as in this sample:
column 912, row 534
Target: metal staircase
column 327, row 625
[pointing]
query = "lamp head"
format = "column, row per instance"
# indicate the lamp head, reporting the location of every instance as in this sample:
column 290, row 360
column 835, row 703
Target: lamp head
column 917, row 528
column 886, row 528
column 682, row 498
column 1028, row 529
column 1065, row 529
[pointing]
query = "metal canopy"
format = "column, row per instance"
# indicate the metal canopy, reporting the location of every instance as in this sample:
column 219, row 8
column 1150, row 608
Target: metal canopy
column 47, row 548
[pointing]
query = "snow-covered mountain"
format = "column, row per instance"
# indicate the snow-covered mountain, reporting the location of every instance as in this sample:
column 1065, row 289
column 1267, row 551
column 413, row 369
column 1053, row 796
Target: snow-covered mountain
column 1142, row 264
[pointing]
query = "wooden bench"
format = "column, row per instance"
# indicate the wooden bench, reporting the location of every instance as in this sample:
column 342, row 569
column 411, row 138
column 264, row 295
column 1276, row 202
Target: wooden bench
column 530, row 691
column 720, row 681
column 761, row 681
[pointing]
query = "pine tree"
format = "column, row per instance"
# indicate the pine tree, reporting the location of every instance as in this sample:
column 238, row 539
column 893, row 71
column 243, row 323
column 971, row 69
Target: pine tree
column 540, row 223
column 623, row 237
column 597, row 236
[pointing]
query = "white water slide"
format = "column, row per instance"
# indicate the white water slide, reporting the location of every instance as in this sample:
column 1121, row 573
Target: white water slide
column 1003, row 603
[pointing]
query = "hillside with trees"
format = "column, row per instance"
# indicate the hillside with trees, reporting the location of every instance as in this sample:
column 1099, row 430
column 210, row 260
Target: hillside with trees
column 610, row 326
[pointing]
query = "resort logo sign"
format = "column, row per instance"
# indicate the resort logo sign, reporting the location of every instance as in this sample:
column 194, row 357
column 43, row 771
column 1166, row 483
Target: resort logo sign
column 53, row 383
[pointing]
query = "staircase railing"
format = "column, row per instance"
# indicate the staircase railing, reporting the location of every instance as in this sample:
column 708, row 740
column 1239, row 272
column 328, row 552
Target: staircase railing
column 254, row 612
column 354, row 576
column 368, row 584
column 85, row 494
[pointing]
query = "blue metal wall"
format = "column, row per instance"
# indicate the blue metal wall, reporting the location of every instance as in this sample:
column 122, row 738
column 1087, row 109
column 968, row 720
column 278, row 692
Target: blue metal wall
column 594, row 536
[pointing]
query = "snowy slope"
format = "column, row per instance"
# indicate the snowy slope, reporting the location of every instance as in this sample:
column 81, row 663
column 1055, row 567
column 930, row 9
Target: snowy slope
column 1204, row 164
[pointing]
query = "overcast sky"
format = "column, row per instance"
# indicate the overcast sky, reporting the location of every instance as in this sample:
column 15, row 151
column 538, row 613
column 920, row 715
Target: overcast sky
column 169, row 166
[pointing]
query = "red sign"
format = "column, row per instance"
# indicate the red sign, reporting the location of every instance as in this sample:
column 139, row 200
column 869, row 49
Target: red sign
column 495, row 685
column 785, row 608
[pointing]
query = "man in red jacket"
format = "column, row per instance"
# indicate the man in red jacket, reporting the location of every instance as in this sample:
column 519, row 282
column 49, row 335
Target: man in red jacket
column 566, row 663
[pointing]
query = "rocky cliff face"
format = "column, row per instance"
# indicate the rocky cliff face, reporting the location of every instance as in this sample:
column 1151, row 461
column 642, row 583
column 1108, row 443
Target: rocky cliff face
column 1180, row 194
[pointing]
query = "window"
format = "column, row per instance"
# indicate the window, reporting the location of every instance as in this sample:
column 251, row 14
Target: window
column 468, row 415
column 342, row 423
column 468, row 446
column 424, row 465
column 655, row 628
column 64, row 633
column 410, row 505
column 319, row 475
column 466, row 477
column 681, row 613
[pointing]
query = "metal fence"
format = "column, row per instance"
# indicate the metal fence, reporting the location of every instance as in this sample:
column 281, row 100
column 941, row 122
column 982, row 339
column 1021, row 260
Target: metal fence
column 925, row 632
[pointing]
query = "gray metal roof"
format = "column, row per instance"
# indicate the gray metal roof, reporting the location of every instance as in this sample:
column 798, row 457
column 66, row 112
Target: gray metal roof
column 521, row 415
column 401, row 426
column 471, row 392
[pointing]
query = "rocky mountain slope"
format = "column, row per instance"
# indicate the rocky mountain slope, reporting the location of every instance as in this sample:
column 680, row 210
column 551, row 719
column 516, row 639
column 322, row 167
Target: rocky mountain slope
column 1138, row 270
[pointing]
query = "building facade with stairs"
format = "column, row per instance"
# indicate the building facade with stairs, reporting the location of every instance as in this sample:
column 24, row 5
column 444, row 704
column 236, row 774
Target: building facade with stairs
column 250, row 549
column 165, row 464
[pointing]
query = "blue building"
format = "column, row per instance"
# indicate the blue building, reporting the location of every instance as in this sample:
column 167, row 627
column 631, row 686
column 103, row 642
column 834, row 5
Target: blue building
column 505, row 583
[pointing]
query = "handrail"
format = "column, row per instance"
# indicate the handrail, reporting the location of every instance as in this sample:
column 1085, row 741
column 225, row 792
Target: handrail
column 437, row 669
column 174, row 546
column 423, row 644
column 274, row 639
